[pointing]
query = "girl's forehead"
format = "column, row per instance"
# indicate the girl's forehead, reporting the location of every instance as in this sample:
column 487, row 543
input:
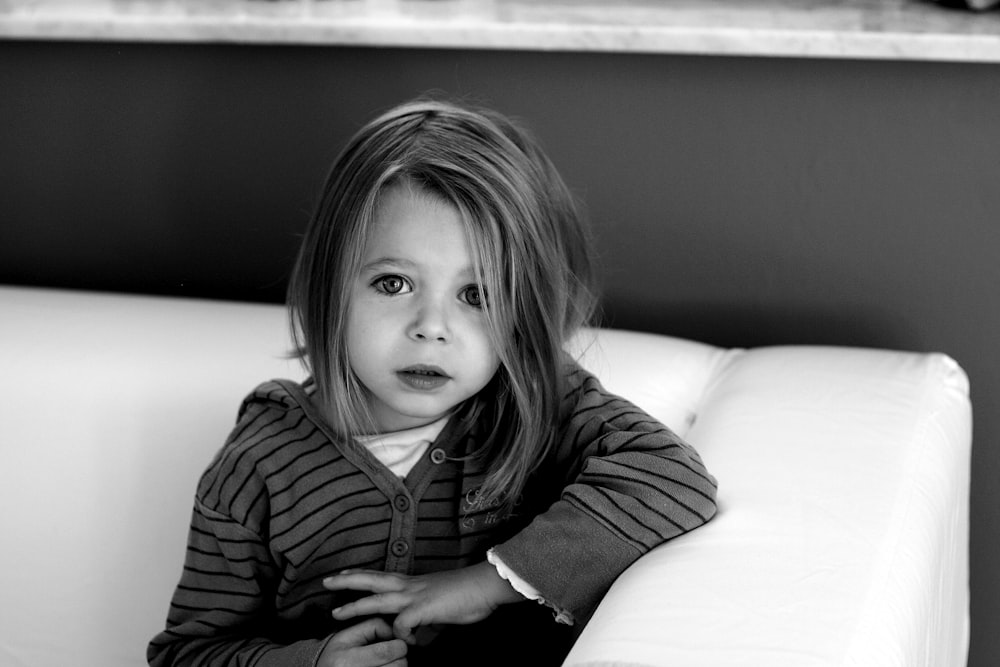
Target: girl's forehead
column 415, row 226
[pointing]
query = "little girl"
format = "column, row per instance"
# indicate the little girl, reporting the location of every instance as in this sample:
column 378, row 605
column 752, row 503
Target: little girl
column 448, row 487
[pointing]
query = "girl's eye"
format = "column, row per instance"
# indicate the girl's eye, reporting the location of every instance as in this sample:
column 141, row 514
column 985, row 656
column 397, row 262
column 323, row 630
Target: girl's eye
column 473, row 295
column 391, row 285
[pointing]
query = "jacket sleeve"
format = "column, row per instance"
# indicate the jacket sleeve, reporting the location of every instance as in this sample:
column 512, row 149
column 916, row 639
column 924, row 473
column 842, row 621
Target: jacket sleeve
column 629, row 484
column 222, row 611
column 217, row 612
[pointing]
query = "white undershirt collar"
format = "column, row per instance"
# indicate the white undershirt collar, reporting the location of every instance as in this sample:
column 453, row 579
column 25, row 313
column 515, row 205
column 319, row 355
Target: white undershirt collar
column 399, row 451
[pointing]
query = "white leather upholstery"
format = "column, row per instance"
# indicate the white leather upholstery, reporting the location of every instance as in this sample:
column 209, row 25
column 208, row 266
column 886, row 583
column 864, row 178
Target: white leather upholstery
column 842, row 533
column 841, row 540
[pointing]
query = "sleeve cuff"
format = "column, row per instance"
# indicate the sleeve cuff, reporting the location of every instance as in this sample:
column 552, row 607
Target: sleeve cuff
column 526, row 589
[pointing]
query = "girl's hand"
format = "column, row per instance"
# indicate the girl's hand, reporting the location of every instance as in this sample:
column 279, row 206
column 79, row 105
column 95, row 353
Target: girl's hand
column 367, row 644
column 459, row 597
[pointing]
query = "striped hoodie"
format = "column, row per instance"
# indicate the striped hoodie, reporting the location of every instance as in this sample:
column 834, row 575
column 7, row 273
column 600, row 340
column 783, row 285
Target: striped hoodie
column 286, row 502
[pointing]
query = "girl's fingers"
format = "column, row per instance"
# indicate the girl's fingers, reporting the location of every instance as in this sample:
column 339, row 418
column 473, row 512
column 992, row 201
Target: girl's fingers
column 404, row 631
column 398, row 662
column 365, row 632
column 407, row 622
column 379, row 603
column 384, row 654
column 364, row 580
column 370, row 644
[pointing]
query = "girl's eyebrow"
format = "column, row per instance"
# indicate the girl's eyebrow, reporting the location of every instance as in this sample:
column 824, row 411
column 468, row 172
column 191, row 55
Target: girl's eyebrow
column 399, row 263
column 387, row 263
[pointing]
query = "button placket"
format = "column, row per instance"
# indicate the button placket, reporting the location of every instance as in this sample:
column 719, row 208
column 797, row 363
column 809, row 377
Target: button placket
column 400, row 547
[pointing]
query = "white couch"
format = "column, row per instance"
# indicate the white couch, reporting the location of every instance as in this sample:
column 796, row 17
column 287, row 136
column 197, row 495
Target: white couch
column 842, row 536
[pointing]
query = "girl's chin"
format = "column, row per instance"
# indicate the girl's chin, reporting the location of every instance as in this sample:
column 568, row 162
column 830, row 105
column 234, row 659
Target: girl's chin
column 390, row 423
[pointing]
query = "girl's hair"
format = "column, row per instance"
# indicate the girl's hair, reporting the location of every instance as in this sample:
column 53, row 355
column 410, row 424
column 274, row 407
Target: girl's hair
column 530, row 250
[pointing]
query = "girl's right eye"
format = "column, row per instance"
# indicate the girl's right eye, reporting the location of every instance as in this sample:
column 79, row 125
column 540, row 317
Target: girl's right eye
column 391, row 285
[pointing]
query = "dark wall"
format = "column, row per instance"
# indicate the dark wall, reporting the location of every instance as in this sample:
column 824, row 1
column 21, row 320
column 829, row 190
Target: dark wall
column 738, row 201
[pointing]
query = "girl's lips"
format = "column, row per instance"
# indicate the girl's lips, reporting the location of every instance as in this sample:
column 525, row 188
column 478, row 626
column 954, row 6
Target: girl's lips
column 424, row 378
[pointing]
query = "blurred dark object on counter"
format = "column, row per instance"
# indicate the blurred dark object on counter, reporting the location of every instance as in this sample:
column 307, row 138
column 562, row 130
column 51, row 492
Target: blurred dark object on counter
column 974, row 5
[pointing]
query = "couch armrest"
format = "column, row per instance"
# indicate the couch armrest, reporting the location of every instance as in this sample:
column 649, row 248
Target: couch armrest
column 842, row 534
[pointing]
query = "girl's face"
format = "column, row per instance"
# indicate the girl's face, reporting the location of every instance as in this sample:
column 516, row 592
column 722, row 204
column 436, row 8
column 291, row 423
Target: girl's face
column 416, row 333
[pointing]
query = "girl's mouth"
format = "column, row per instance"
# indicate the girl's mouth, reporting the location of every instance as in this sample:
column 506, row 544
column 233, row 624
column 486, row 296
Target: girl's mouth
column 423, row 378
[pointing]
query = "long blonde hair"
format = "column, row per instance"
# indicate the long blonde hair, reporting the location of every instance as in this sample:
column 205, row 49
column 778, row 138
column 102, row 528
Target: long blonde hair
column 530, row 248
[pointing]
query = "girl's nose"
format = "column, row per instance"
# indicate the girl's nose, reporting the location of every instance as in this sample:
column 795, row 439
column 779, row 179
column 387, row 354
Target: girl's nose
column 430, row 323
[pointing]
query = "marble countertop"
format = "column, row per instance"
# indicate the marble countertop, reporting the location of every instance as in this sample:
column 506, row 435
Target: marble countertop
column 871, row 29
